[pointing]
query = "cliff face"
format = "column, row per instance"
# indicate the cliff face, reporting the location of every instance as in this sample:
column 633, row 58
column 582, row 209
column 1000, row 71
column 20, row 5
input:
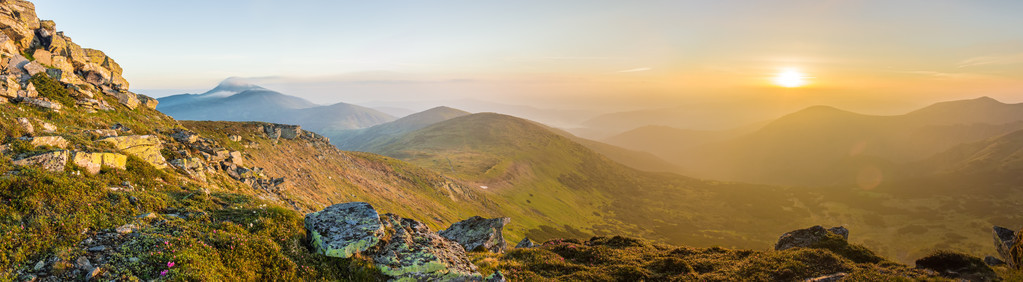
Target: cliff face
column 31, row 47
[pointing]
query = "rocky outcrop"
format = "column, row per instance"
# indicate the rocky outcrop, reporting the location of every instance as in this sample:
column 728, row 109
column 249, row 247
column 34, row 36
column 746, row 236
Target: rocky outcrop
column 809, row 237
column 52, row 161
column 81, row 71
column 478, row 234
column 343, row 230
column 146, row 147
column 1005, row 239
column 51, row 141
column 93, row 162
column 416, row 253
column 525, row 243
column 402, row 248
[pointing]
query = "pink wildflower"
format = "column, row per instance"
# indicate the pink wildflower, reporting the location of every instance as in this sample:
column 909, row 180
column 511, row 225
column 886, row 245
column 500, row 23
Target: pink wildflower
column 170, row 264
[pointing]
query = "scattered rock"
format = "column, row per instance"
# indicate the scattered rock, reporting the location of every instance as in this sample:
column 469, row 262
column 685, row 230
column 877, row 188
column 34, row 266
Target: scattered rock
column 478, row 234
column 343, row 230
column 26, row 125
column 236, row 158
column 525, row 243
column 39, row 265
column 93, row 162
column 100, row 133
column 150, row 215
column 148, row 102
column 125, row 229
column 83, row 263
column 416, row 253
column 33, row 68
column 41, row 102
column 99, row 248
column 829, row 278
column 993, row 261
column 146, row 147
column 496, row 277
column 235, row 138
column 52, row 141
column 47, row 127
column 93, row 273
column 808, row 237
column 1004, row 240
column 52, row 161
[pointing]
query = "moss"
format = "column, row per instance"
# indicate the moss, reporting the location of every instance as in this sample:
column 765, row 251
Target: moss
column 956, row 265
column 52, row 89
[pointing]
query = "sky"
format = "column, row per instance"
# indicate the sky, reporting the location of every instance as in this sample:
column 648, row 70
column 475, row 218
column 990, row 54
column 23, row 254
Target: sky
column 868, row 56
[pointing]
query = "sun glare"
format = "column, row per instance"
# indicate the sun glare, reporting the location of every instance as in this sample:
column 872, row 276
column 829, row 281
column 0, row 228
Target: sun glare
column 790, row 78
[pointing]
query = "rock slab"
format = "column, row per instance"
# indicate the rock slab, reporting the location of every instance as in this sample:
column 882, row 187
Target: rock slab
column 1004, row 240
column 146, row 147
column 342, row 230
column 478, row 234
column 809, row 237
column 416, row 253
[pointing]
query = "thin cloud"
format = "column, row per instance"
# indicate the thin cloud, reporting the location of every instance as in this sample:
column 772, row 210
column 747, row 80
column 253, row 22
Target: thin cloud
column 634, row 70
column 1010, row 59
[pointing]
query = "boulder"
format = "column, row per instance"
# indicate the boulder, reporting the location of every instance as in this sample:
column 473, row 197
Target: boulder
column 32, row 68
column 146, row 147
column 16, row 64
column 126, row 98
column 52, row 161
column 26, row 125
column 416, row 253
column 93, row 162
column 478, row 234
column 148, row 102
column 11, row 86
column 184, row 136
column 236, row 158
column 957, row 266
column 525, row 243
column 41, row 102
column 52, row 141
column 286, row 131
column 100, row 133
column 342, row 230
column 809, row 237
column 1004, row 240
column 43, row 57
column 993, row 261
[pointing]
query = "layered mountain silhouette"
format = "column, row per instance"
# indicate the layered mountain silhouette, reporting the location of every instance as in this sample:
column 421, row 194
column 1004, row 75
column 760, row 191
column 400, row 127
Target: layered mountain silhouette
column 237, row 100
column 824, row 145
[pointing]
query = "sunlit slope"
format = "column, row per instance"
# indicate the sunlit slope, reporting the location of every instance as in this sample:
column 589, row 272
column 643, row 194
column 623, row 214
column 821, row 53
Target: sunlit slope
column 530, row 166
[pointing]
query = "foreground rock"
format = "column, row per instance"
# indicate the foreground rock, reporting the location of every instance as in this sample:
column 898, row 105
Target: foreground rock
column 146, row 147
column 525, row 243
column 343, row 230
column 478, row 234
column 1004, row 240
column 52, row 161
column 93, row 162
column 415, row 252
column 402, row 248
column 809, row 237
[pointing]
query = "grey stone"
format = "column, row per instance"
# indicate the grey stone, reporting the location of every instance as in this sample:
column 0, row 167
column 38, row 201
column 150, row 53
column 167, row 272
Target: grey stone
column 993, row 261
column 525, row 243
column 418, row 254
column 478, row 234
column 52, row 161
column 33, row 68
column 343, row 230
column 125, row 229
column 99, row 248
column 83, row 263
column 1004, row 240
column 808, row 237
column 39, row 265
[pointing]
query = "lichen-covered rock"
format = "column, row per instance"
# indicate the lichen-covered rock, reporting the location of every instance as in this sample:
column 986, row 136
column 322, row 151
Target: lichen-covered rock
column 236, row 158
column 413, row 252
column 52, row 141
column 52, row 161
column 478, row 234
column 146, row 147
column 1004, row 240
column 808, row 237
column 26, row 125
column 148, row 102
column 286, row 131
column 124, row 97
column 525, row 243
column 42, row 103
column 93, row 162
column 343, row 230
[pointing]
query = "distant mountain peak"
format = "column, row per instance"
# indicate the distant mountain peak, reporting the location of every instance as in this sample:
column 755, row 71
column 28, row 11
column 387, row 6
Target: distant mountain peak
column 231, row 86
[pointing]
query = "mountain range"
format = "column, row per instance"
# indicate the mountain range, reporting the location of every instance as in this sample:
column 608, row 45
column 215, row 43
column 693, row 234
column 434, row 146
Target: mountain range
column 235, row 99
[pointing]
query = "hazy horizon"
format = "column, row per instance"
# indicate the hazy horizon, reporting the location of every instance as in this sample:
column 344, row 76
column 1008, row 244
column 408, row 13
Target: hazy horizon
column 872, row 57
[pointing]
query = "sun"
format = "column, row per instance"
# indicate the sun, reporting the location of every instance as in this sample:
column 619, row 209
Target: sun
column 790, row 78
